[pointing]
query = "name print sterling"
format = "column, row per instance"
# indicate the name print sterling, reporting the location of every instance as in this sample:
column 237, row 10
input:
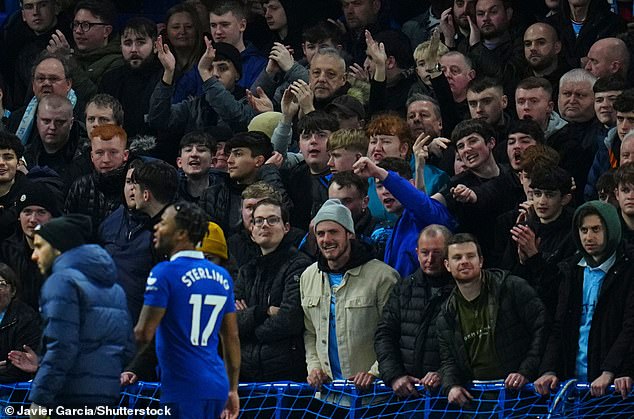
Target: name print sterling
column 198, row 274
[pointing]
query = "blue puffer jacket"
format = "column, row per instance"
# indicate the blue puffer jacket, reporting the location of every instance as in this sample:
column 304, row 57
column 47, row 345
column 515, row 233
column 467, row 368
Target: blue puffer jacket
column 87, row 335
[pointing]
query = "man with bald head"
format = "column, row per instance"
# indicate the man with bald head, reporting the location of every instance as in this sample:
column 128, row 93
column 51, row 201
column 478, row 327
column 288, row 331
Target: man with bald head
column 56, row 142
column 608, row 56
column 496, row 53
column 541, row 50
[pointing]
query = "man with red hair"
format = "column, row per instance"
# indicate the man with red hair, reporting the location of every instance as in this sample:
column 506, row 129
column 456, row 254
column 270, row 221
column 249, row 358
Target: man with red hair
column 99, row 193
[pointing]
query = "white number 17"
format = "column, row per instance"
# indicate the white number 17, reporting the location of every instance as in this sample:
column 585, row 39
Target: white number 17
column 196, row 300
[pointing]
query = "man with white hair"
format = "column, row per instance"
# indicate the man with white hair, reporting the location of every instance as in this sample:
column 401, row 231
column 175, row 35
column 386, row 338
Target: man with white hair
column 576, row 142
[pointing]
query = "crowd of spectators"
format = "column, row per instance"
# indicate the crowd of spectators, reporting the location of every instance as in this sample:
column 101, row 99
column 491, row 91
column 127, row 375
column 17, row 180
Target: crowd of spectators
column 423, row 192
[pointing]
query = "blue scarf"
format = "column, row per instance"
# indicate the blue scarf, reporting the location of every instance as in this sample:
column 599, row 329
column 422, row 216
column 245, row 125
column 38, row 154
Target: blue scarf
column 26, row 124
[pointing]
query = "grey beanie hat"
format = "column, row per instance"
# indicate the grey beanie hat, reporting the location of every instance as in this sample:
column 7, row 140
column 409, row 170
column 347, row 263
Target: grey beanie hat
column 334, row 210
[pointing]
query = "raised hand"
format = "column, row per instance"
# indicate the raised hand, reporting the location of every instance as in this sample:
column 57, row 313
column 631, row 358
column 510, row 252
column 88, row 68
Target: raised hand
column 474, row 32
column 447, row 27
column 421, row 149
column 438, row 145
column 167, row 59
column 376, row 52
column 356, row 71
column 282, row 56
column 58, row 43
column 527, row 242
column 205, row 64
column 259, row 101
column 276, row 160
column 289, row 105
column 431, row 55
column 304, row 95
column 366, row 168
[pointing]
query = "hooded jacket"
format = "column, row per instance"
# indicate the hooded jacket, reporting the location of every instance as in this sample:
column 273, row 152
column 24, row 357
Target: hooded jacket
column 555, row 123
column 253, row 62
column 364, row 291
column 92, row 65
column 87, row 335
column 612, row 330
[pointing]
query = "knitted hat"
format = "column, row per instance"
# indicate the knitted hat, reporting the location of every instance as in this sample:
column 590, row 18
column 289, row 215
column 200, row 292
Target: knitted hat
column 265, row 122
column 214, row 242
column 35, row 194
column 333, row 210
column 66, row 232
column 226, row 51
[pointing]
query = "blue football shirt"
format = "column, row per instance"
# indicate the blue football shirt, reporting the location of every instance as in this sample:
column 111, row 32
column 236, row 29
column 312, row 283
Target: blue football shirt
column 196, row 295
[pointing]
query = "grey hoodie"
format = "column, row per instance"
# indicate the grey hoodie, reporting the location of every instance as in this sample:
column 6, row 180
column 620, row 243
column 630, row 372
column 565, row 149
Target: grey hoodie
column 555, row 123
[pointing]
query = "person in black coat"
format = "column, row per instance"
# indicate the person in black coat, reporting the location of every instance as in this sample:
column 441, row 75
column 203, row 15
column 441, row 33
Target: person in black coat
column 268, row 303
column 405, row 340
column 133, row 83
column 581, row 26
column 36, row 206
column 593, row 332
column 20, row 326
column 492, row 326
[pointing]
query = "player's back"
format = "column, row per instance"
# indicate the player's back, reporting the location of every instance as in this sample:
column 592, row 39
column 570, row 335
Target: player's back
column 196, row 295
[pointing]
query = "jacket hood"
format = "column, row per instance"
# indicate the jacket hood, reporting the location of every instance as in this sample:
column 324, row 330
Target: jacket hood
column 555, row 123
column 611, row 137
column 358, row 256
column 91, row 260
column 612, row 223
column 113, row 48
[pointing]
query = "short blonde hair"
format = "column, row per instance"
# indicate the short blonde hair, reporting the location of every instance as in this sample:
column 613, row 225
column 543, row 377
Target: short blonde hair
column 421, row 49
column 350, row 139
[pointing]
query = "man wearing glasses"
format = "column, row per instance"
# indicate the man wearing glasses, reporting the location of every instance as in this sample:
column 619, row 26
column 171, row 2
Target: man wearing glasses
column 94, row 53
column 270, row 316
column 40, row 20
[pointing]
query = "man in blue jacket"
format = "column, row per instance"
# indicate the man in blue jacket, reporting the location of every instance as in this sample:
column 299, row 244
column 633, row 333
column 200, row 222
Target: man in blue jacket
column 87, row 335
column 416, row 210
